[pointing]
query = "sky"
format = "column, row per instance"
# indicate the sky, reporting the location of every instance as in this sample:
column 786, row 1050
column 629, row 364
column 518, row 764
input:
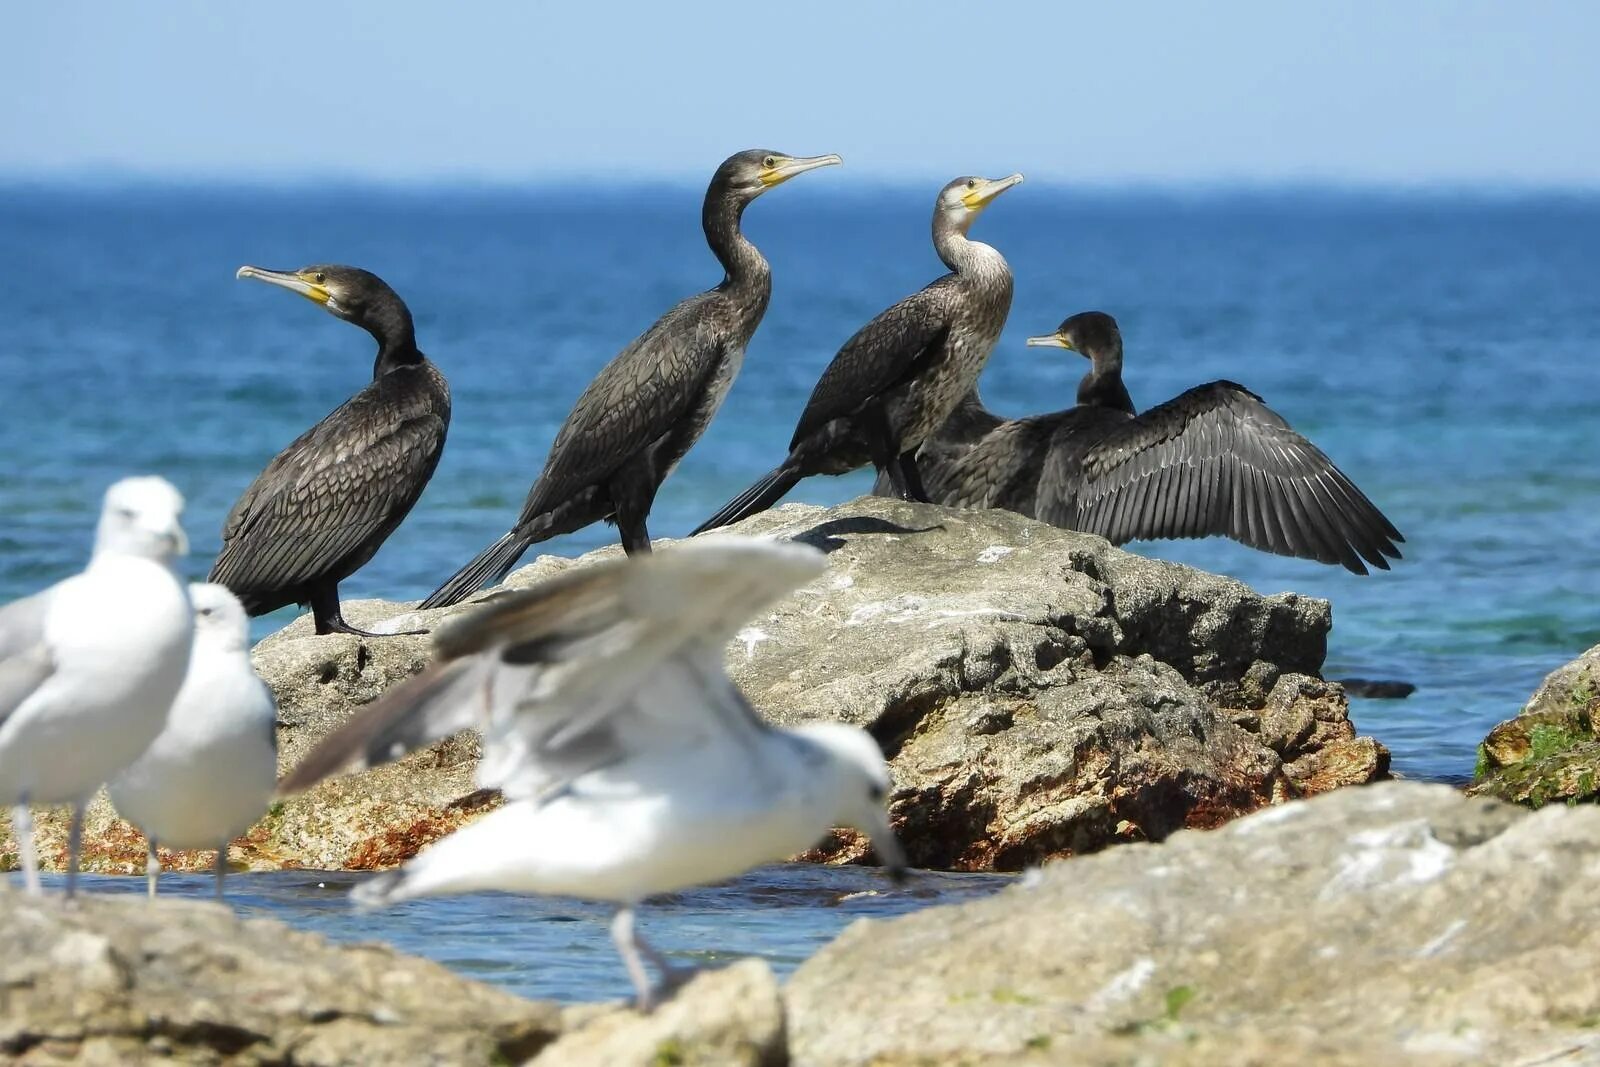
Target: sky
column 1366, row 92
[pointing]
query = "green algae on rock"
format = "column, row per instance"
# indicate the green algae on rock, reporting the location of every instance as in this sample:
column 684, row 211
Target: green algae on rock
column 1550, row 752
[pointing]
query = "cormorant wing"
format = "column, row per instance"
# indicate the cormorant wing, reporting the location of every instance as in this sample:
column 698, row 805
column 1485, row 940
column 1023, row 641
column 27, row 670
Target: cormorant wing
column 573, row 673
column 893, row 348
column 1217, row 460
column 332, row 489
column 641, row 395
column 998, row 470
column 25, row 658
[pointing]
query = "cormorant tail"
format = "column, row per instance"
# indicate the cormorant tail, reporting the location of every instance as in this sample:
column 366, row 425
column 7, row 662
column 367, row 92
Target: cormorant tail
column 487, row 567
column 759, row 497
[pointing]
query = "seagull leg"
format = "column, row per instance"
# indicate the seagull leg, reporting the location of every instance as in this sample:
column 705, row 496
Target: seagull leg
column 74, row 847
column 152, row 868
column 326, row 615
column 22, row 821
column 222, row 867
column 628, row 945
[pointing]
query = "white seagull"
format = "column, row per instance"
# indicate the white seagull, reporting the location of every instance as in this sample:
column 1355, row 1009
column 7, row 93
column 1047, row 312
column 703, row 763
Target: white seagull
column 89, row 666
column 211, row 773
column 630, row 762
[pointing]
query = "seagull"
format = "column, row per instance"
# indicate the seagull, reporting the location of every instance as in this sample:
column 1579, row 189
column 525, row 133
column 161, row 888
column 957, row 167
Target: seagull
column 211, row 773
column 89, row 666
column 630, row 762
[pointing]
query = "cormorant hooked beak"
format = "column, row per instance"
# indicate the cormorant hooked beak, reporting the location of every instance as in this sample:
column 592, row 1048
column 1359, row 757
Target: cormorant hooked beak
column 296, row 282
column 782, row 168
column 977, row 199
column 1055, row 340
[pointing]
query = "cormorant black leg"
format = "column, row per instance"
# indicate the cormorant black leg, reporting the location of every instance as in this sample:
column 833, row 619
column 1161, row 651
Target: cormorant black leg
column 886, row 455
column 911, row 478
column 325, row 613
column 633, row 491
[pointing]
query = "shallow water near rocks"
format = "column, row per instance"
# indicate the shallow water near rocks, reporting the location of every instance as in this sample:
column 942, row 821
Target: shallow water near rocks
column 560, row 949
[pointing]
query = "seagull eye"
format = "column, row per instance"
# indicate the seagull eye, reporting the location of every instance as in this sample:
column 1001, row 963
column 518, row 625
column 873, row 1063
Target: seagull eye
column 877, row 793
column 770, row 162
column 126, row 513
column 208, row 612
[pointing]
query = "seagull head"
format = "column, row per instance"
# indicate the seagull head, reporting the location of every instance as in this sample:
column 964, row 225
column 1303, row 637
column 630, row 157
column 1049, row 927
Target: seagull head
column 141, row 518
column 860, row 789
column 220, row 622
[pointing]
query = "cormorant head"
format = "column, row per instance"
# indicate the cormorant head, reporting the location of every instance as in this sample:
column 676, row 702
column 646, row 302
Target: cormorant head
column 141, row 517
column 859, row 786
column 219, row 619
column 1089, row 333
column 748, row 174
column 354, row 295
column 965, row 198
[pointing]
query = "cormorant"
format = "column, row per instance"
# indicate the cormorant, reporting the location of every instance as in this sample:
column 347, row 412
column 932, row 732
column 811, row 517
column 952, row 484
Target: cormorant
column 322, row 507
column 1215, row 460
column 650, row 404
column 897, row 379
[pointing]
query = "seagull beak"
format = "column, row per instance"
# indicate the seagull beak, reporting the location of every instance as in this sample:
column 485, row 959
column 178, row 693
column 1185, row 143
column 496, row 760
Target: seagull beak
column 291, row 281
column 977, row 199
column 177, row 541
column 786, row 167
column 887, row 846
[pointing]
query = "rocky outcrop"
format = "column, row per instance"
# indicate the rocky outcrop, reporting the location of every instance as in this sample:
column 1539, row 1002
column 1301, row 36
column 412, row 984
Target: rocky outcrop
column 1040, row 692
column 105, row 981
column 1401, row 923
column 1550, row 751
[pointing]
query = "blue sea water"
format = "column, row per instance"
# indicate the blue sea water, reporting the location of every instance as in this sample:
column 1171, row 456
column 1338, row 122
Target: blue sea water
column 1442, row 349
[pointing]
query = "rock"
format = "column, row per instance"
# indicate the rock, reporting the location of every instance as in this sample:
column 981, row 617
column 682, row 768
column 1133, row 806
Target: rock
column 130, row 981
column 1040, row 692
column 724, row 1018
column 1550, row 751
column 1395, row 923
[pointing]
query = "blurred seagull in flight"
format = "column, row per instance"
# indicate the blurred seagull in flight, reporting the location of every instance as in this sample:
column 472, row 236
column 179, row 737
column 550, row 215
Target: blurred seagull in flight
column 90, row 666
column 211, row 773
column 630, row 762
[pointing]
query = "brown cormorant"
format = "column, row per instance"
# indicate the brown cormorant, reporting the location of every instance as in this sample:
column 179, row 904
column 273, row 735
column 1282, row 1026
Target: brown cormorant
column 651, row 403
column 898, row 378
column 324, row 504
column 1215, row 460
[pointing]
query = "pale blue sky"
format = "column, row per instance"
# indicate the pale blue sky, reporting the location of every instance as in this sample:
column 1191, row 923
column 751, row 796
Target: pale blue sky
column 1372, row 91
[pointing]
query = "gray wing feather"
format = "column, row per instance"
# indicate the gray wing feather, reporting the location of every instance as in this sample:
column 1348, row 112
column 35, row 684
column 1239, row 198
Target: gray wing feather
column 25, row 661
column 552, row 673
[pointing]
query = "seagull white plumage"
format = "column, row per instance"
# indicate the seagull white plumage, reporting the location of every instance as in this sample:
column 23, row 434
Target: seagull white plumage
column 211, row 773
column 89, row 666
column 631, row 763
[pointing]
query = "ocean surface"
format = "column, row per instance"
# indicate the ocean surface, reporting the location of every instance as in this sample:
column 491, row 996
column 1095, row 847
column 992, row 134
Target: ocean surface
column 1444, row 350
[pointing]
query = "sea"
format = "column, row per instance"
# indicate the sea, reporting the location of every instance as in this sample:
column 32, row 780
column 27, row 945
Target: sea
column 1443, row 347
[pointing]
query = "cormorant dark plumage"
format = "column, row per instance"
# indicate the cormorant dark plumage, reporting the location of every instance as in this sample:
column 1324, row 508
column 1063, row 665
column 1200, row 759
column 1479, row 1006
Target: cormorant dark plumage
column 1215, row 460
column 893, row 383
column 322, row 507
column 651, row 403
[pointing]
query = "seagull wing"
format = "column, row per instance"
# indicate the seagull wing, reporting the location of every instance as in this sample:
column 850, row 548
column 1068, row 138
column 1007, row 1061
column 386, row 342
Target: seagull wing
column 25, row 659
column 568, row 675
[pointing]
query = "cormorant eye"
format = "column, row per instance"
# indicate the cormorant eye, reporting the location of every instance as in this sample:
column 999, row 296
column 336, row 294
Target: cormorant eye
column 770, row 162
column 319, row 277
column 972, row 183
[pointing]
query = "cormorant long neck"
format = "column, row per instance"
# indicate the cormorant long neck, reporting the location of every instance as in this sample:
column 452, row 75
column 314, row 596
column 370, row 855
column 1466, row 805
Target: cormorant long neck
column 959, row 252
column 389, row 322
column 1102, row 386
column 746, row 269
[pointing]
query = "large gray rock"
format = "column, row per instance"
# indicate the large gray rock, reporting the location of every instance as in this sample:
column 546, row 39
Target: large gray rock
column 1551, row 750
column 1040, row 692
column 1400, row 923
column 129, row 981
